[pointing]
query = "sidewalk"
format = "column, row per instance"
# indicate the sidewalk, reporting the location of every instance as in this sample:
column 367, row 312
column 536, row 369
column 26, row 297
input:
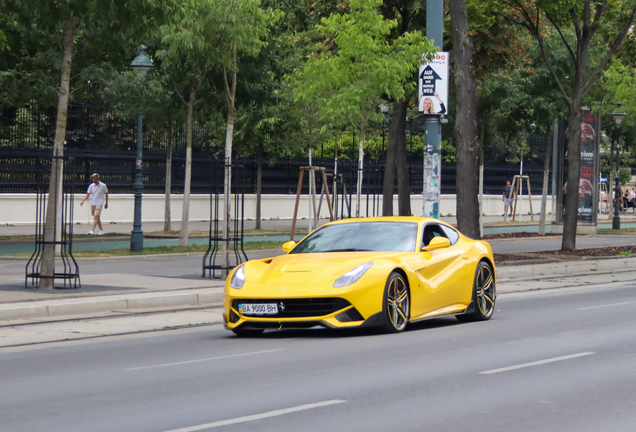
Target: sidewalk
column 102, row 293
column 159, row 281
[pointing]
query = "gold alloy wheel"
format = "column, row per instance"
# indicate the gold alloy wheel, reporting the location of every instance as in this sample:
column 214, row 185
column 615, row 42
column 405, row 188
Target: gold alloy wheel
column 398, row 303
column 485, row 290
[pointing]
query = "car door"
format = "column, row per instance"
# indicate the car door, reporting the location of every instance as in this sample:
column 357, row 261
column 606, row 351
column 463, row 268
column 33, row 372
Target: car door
column 439, row 271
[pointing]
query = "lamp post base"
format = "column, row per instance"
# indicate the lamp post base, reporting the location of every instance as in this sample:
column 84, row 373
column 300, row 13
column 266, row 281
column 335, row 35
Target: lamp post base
column 136, row 241
column 616, row 222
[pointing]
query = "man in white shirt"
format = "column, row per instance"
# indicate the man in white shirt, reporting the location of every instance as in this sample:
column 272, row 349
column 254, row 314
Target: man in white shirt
column 99, row 200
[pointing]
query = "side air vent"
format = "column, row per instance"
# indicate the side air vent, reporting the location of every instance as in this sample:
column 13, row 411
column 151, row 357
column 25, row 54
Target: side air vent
column 350, row 315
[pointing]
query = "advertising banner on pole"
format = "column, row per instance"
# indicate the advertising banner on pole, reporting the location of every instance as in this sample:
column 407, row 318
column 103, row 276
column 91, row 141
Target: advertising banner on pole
column 433, row 85
column 588, row 166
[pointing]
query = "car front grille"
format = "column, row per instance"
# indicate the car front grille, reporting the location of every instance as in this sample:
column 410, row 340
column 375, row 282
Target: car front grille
column 300, row 308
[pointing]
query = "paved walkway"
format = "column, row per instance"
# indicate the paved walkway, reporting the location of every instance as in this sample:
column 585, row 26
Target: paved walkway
column 491, row 227
column 159, row 281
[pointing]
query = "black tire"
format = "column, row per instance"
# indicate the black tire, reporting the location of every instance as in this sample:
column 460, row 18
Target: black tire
column 241, row 332
column 396, row 304
column 484, row 294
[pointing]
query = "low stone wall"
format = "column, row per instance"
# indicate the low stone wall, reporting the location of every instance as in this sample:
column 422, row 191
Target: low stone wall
column 20, row 208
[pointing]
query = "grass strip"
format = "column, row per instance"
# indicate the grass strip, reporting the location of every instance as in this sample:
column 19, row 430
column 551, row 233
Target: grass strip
column 618, row 231
column 160, row 250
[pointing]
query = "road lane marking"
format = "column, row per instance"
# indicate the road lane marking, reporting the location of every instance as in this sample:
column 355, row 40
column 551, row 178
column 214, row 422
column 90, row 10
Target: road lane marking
column 258, row 416
column 536, row 363
column 608, row 305
column 204, row 359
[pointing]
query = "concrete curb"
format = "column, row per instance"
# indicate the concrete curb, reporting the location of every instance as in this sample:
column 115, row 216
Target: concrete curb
column 199, row 296
column 522, row 272
column 77, row 306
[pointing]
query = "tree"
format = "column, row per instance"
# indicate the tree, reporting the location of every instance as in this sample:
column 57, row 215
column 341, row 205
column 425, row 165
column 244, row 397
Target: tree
column 87, row 29
column 603, row 23
column 465, row 123
column 186, row 60
column 240, row 27
column 356, row 68
column 410, row 15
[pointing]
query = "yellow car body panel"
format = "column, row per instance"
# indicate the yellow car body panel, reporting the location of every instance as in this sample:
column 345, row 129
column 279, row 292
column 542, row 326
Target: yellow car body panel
column 440, row 281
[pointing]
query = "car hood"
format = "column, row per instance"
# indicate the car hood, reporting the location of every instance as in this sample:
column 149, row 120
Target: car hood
column 312, row 267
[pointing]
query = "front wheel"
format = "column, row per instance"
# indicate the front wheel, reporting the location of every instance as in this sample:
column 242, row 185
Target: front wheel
column 396, row 304
column 484, row 294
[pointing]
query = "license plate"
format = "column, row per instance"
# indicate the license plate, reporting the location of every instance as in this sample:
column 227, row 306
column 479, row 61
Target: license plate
column 258, row 308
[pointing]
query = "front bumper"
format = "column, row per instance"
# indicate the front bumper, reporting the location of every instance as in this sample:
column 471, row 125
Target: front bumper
column 330, row 312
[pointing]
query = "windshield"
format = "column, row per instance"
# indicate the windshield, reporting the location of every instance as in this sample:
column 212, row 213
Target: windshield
column 361, row 236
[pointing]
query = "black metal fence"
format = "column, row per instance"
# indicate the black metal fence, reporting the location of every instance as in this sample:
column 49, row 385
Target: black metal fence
column 19, row 172
column 100, row 141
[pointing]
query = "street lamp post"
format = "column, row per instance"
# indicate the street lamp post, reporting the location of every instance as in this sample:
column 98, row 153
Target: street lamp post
column 384, row 108
column 141, row 64
column 618, row 117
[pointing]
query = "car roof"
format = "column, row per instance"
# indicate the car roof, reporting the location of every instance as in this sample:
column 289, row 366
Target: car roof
column 412, row 219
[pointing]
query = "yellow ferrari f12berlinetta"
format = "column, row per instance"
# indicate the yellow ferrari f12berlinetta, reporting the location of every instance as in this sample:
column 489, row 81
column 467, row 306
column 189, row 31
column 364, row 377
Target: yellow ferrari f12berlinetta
column 376, row 272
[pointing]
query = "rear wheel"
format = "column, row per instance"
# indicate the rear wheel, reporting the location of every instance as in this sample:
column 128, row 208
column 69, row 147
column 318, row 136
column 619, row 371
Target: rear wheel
column 247, row 332
column 484, row 294
column 396, row 304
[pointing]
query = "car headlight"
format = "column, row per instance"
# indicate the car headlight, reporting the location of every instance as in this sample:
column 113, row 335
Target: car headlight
column 352, row 276
column 238, row 278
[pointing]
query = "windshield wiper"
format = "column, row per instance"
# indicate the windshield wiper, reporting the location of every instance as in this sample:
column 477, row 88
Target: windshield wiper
column 349, row 250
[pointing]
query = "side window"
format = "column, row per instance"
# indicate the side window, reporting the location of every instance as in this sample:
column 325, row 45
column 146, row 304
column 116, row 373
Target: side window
column 452, row 235
column 430, row 232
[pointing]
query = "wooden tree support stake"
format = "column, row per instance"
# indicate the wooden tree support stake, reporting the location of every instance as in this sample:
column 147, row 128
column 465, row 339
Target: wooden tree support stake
column 312, row 194
column 516, row 183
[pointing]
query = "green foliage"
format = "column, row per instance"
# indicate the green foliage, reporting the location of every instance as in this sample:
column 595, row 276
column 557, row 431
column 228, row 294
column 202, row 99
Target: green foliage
column 106, row 35
column 624, row 176
column 356, row 65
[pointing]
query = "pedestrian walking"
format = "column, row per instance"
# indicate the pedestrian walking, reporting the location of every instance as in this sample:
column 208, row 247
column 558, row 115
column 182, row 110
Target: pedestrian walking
column 508, row 197
column 99, row 200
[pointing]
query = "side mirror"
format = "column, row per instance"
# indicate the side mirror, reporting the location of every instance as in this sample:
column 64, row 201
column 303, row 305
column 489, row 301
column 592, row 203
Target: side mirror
column 437, row 243
column 288, row 246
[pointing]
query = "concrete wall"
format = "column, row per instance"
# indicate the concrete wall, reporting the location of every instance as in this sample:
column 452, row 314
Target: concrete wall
column 20, row 208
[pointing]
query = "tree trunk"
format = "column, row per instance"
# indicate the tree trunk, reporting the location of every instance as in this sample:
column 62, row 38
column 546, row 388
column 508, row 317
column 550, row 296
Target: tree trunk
column 570, row 218
column 360, row 170
column 481, row 183
column 227, row 188
column 398, row 126
column 389, row 171
column 259, row 185
column 167, row 222
column 185, row 214
column 546, row 178
column 466, row 123
column 47, row 269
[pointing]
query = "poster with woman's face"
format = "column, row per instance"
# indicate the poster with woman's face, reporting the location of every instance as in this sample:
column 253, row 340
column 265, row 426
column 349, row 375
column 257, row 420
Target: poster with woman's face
column 433, row 85
column 587, row 174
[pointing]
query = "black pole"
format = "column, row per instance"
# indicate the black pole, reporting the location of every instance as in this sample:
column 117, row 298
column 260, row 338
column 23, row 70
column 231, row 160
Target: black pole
column 137, row 235
column 616, row 220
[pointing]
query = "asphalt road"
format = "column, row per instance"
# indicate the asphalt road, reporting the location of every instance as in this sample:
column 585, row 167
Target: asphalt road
column 561, row 360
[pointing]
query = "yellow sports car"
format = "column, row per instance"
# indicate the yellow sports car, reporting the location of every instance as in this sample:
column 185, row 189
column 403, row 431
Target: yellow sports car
column 385, row 272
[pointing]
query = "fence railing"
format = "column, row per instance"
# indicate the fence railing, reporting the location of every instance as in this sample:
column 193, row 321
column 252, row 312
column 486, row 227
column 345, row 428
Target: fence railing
column 19, row 172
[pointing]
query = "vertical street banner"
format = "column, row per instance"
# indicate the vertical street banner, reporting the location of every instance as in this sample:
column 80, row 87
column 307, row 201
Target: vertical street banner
column 433, row 85
column 588, row 180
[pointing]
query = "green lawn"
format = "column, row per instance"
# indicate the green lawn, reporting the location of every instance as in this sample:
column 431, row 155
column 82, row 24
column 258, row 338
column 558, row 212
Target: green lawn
column 264, row 245
column 619, row 231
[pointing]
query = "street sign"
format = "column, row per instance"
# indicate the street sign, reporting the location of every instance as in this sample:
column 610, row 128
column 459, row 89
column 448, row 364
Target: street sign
column 433, row 85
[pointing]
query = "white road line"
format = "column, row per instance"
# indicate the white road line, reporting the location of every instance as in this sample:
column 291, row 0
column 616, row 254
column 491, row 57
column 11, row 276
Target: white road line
column 608, row 305
column 540, row 362
column 258, row 416
column 202, row 360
